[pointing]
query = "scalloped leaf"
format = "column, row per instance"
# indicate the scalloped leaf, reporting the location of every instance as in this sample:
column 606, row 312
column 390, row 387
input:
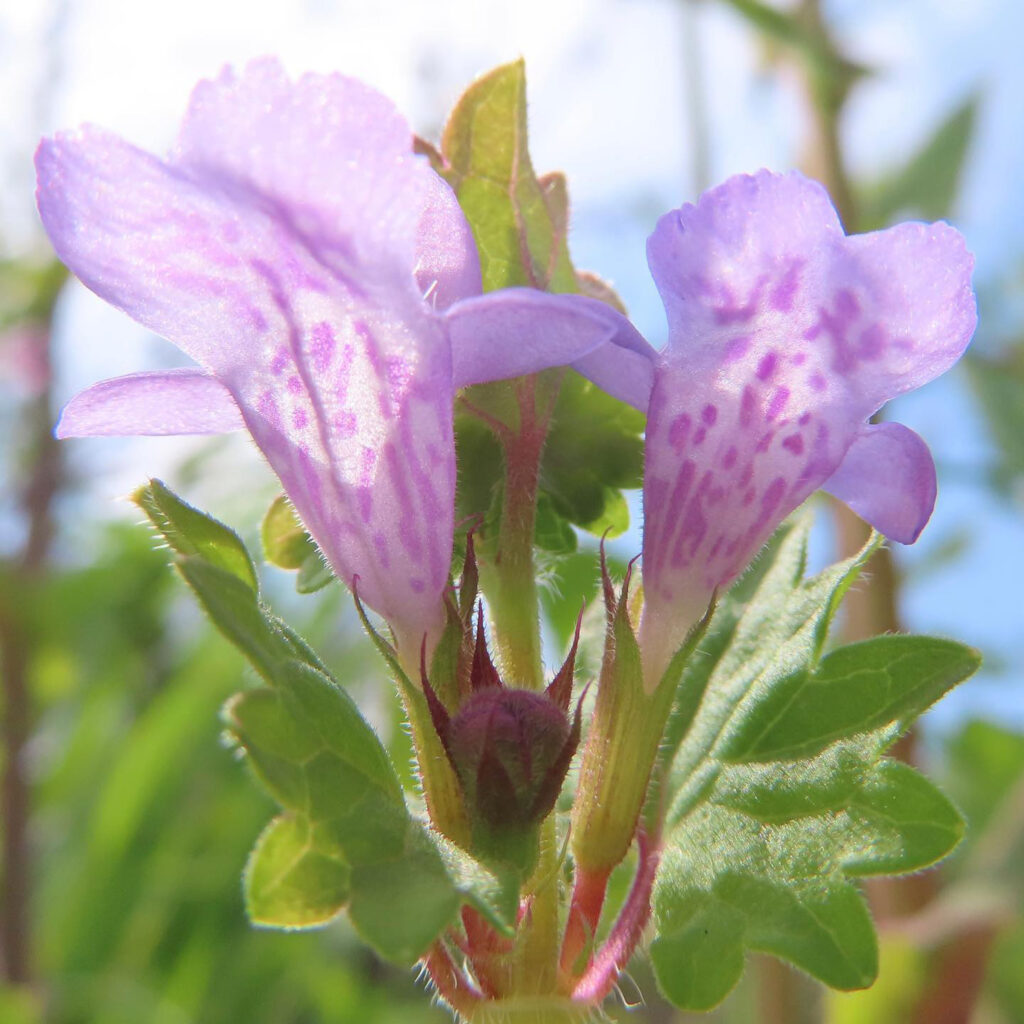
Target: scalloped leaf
column 781, row 798
column 346, row 839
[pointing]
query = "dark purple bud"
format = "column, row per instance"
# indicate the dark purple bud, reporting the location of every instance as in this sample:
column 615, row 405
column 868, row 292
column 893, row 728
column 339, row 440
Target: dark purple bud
column 511, row 750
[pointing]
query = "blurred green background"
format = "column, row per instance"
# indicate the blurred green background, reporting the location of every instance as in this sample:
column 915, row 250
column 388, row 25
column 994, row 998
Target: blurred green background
column 126, row 822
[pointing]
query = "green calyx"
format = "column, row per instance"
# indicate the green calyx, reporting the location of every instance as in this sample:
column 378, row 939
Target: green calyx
column 510, row 750
column 624, row 738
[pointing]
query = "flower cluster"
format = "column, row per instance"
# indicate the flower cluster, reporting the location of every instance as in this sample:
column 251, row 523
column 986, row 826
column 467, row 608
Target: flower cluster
column 326, row 284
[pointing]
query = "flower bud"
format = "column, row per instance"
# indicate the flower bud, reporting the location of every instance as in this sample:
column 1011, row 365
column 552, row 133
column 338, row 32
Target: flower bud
column 505, row 744
column 511, row 750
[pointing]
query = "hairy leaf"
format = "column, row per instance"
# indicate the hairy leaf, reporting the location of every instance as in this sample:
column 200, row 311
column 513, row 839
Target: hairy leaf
column 488, row 165
column 287, row 545
column 291, row 884
column 346, row 839
column 782, row 798
column 190, row 532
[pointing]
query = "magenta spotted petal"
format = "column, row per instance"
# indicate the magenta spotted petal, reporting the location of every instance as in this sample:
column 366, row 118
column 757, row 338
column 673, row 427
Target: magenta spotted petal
column 785, row 336
column 322, row 276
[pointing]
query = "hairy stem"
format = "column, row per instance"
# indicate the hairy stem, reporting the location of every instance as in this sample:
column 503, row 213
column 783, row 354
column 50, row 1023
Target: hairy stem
column 627, row 931
column 588, row 893
column 511, row 584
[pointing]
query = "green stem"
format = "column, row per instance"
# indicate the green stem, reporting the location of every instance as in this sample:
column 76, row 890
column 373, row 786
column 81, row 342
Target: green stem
column 536, row 960
column 511, row 581
column 532, row 1010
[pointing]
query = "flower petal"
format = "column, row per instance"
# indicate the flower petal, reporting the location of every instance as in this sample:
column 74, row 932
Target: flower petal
column 341, row 371
column 333, row 152
column 758, row 272
column 730, row 257
column 784, row 337
column 181, row 401
column 623, row 372
column 521, row 330
column 624, row 366
column 447, row 263
column 888, row 478
column 146, row 237
column 917, row 307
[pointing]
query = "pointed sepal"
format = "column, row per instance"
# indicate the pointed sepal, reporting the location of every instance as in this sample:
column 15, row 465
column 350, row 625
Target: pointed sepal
column 559, row 691
column 483, row 675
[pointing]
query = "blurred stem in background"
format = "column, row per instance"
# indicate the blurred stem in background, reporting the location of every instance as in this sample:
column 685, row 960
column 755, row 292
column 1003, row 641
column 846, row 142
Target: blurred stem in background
column 28, row 309
column 36, row 491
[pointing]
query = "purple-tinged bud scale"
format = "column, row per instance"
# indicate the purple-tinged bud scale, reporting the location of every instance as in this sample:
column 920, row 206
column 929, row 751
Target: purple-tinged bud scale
column 511, row 750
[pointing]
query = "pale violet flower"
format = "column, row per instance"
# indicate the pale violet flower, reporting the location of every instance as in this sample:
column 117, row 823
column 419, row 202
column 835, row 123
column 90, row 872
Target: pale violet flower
column 326, row 283
column 784, row 337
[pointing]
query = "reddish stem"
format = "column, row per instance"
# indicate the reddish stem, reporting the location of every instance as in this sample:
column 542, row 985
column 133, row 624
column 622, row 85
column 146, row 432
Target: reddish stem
column 488, row 952
column 625, row 935
column 589, row 888
column 452, row 984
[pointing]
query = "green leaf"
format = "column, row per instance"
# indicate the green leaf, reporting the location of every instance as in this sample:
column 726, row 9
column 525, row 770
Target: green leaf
column 314, row 574
column 906, row 822
column 859, row 688
column 191, row 532
column 285, row 541
column 401, row 903
column 313, row 751
column 287, row 545
column 488, row 166
column 289, row 883
column 495, row 896
column 927, row 185
column 235, row 609
column 594, row 451
column 782, row 798
column 346, row 838
column 783, row 560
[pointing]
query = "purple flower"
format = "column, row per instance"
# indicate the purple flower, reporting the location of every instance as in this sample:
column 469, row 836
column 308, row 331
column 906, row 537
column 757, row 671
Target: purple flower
column 785, row 336
column 326, row 282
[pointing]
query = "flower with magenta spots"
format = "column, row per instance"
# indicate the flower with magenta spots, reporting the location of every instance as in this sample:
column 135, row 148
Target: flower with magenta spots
column 326, row 283
column 785, row 336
